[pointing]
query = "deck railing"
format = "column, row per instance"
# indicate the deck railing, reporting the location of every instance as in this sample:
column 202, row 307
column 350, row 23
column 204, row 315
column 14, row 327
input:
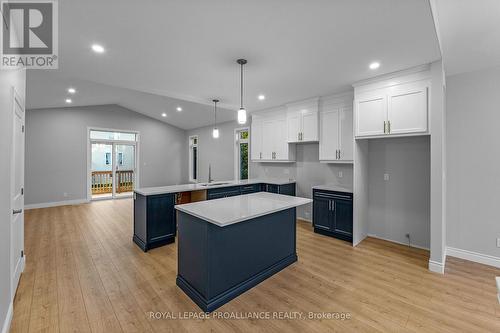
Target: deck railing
column 102, row 181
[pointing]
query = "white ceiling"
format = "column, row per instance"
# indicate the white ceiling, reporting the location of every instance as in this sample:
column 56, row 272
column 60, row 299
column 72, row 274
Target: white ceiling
column 187, row 50
column 469, row 33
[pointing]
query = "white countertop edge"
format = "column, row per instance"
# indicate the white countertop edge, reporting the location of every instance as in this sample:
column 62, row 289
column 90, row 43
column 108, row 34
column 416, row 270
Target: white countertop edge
column 333, row 187
column 146, row 191
column 305, row 201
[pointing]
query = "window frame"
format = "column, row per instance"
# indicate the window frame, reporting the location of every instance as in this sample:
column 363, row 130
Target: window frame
column 192, row 145
column 237, row 157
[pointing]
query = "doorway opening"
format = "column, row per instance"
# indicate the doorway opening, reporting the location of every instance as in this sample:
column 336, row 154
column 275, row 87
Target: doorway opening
column 113, row 165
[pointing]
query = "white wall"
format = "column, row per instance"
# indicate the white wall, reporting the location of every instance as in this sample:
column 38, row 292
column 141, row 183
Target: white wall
column 56, row 150
column 8, row 79
column 401, row 204
column 473, row 161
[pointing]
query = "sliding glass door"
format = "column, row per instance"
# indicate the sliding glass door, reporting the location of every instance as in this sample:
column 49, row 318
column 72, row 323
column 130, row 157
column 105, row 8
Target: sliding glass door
column 113, row 164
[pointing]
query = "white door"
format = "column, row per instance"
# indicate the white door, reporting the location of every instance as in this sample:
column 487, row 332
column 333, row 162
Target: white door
column 17, row 194
column 125, row 169
column 329, row 142
column 293, row 127
column 309, row 126
column 346, row 144
column 256, row 139
column 280, row 143
column 371, row 113
column 268, row 137
column 407, row 108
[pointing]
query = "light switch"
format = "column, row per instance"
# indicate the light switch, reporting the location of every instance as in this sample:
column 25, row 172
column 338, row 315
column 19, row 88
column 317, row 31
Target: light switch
column 341, row 174
column 386, row 176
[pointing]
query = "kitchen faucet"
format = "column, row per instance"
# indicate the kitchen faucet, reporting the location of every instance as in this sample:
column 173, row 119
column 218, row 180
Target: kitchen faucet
column 210, row 173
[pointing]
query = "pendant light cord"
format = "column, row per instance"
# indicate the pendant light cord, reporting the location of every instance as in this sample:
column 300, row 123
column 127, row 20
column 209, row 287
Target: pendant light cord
column 215, row 125
column 241, row 86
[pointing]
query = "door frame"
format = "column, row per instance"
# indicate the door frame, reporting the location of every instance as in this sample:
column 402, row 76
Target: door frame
column 19, row 268
column 135, row 143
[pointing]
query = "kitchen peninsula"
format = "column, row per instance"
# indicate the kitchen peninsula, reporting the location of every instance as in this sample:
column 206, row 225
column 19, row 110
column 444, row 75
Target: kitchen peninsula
column 229, row 245
column 154, row 213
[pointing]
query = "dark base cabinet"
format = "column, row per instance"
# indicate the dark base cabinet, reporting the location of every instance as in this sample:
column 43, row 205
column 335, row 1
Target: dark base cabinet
column 332, row 214
column 154, row 220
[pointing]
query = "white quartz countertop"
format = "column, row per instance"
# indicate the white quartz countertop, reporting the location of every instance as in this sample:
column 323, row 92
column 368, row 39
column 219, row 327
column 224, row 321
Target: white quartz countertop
column 200, row 186
column 227, row 211
column 334, row 187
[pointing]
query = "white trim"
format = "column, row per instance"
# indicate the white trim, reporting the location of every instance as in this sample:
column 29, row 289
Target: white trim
column 436, row 267
column 236, row 156
column 394, row 75
column 56, row 204
column 135, row 143
column 473, row 256
column 401, row 243
column 190, row 158
column 8, row 318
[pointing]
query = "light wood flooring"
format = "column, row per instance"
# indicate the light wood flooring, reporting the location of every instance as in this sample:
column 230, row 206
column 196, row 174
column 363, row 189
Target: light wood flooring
column 84, row 273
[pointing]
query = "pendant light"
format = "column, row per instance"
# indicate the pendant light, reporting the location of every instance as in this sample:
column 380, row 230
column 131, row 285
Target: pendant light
column 242, row 113
column 215, row 131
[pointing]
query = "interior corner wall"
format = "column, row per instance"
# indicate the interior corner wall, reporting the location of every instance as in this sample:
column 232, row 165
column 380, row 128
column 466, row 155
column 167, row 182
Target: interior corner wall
column 8, row 80
column 399, row 205
column 56, row 150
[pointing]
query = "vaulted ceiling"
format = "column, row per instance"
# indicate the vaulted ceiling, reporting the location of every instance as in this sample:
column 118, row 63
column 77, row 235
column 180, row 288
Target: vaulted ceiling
column 161, row 54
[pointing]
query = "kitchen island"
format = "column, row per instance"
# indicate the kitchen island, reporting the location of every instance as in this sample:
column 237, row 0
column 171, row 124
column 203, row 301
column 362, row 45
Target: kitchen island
column 154, row 214
column 227, row 246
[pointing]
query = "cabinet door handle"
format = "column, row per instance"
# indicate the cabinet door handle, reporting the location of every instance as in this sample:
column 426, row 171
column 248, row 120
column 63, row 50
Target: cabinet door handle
column 329, row 204
column 260, row 155
column 339, row 154
column 385, row 127
column 17, row 211
column 333, row 205
column 389, row 126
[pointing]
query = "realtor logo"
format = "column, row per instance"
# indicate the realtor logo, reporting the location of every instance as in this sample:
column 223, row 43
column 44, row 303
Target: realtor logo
column 29, row 34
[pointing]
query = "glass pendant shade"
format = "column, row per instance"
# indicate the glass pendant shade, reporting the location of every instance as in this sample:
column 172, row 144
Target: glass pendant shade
column 215, row 133
column 242, row 116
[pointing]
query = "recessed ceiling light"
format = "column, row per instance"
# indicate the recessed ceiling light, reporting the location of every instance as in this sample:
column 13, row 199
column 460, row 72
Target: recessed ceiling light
column 97, row 48
column 163, row 114
column 261, row 97
column 71, row 90
column 179, row 109
column 68, row 100
column 374, row 65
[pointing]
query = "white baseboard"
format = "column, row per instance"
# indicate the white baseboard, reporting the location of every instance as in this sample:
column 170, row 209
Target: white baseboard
column 393, row 241
column 436, row 267
column 8, row 318
column 473, row 256
column 55, row 204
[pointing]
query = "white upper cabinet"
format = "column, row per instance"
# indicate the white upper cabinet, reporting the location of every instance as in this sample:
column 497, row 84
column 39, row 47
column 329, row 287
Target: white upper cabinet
column 269, row 138
column 371, row 114
column 396, row 106
column 407, row 108
column 302, row 121
column 336, row 143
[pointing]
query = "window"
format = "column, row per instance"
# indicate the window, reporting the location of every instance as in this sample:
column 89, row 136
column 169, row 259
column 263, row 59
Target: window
column 193, row 158
column 120, row 158
column 108, row 158
column 241, row 154
column 116, row 136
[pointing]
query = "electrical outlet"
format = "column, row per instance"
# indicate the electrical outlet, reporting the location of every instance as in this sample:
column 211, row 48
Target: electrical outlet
column 386, row 176
column 498, row 242
column 341, row 174
column 307, row 214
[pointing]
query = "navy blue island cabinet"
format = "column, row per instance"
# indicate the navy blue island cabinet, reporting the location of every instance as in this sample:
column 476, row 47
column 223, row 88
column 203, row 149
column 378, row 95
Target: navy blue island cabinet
column 230, row 246
column 333, row 214
column 154, row 220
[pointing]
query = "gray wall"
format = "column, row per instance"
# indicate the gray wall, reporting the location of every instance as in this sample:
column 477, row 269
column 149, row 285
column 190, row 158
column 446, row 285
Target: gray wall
column 56, row 150
column 307, row 170
column 401, row 204
column 473, row 153
column 8, row 79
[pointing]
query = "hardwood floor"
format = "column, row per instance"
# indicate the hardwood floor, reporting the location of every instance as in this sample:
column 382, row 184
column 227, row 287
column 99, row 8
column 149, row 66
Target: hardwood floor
column 84, row 274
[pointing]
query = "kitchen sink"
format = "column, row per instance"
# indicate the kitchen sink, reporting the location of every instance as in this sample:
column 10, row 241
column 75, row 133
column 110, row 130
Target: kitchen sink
column 214, row 184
